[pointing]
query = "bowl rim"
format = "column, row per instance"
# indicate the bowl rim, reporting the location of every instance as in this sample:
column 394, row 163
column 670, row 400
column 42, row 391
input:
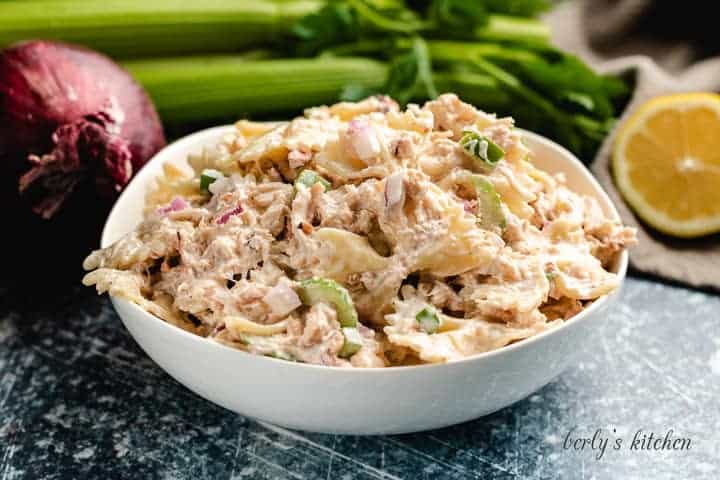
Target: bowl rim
column 621, row 271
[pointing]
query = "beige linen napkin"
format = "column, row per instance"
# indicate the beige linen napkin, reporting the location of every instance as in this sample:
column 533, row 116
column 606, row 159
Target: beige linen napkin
column 598, row 31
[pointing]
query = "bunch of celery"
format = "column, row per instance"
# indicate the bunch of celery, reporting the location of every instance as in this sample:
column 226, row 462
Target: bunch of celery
column 265, row 58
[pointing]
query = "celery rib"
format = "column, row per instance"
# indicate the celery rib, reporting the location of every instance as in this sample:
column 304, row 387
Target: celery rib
column 137, row 28
column 224, row 88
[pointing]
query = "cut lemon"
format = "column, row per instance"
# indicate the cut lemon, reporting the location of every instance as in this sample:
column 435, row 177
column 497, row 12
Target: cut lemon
column 666, row 163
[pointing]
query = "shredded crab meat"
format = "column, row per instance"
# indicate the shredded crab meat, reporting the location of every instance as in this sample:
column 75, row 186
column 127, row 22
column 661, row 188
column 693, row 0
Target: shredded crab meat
column 394, row 224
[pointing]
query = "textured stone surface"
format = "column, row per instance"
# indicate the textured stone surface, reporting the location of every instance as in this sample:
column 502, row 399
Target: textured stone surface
column 79, row 399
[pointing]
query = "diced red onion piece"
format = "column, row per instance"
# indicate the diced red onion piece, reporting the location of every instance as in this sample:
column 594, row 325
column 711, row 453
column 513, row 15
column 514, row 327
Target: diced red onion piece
column 282, row 299
column 177, row 204
column 226, row 216
column 470, row 206
column 363, row 140
column 395, row 189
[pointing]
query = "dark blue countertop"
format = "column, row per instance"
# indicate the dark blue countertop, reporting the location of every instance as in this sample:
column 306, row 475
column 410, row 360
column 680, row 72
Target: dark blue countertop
column 79, row 399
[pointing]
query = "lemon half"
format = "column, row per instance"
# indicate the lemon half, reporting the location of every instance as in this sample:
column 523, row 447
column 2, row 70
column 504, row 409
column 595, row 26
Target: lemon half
column 666, row 163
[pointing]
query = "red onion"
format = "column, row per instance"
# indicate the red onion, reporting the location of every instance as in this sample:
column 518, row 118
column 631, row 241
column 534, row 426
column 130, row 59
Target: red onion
column 226, row 216
column 177, row 204
column 470, row 206
column 74, row 127
column 68, row 116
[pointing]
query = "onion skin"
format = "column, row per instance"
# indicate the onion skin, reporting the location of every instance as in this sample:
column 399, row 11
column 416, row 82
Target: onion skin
column 74, row 128
column 69, row 115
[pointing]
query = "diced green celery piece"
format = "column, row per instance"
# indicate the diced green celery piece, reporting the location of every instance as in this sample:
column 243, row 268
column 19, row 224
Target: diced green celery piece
column 207, row 177
column 491, row 214
column 307, row 178
column 324, row 290
column 428, row 320
column 484, row 151
column 352, row 344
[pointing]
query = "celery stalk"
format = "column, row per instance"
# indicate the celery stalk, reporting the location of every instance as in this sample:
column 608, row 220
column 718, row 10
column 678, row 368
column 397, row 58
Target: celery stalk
column 137, row 28
column 222, row 88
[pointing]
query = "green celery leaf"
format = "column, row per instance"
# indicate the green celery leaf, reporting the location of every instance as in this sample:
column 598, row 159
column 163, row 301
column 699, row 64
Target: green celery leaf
column 333, row 24
column 387, row 16
column 409, row 72
column 347, row 21
column 568, row 80
column 458, row 17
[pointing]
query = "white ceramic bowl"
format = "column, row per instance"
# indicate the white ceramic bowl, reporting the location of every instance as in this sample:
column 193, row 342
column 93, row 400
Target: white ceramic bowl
column 358, row 401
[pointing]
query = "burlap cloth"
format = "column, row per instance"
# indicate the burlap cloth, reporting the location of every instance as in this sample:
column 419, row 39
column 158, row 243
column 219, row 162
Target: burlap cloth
column 650, row 41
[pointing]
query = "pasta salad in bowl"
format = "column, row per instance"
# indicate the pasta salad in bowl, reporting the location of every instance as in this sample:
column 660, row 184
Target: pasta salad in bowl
column 359, row 236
